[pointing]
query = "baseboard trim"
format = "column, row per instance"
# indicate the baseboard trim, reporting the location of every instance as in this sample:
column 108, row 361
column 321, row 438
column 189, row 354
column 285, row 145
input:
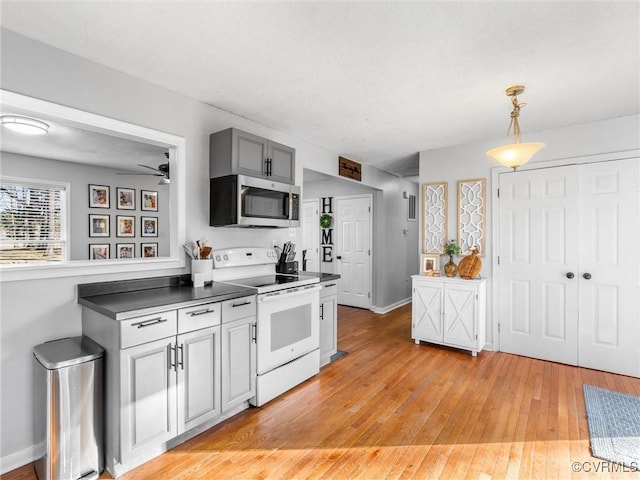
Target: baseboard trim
column 20, row 458
column 393, row 306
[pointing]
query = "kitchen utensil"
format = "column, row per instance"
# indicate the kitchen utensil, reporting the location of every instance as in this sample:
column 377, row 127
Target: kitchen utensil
column 204, row 252
column 188, row 249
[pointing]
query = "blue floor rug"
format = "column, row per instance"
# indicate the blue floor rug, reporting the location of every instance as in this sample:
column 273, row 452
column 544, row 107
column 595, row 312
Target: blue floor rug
column 614, row 425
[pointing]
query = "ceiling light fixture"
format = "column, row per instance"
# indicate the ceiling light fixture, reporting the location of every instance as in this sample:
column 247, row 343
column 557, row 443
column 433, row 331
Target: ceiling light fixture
column 515, row 154
column 164, row 181
column 27, row 125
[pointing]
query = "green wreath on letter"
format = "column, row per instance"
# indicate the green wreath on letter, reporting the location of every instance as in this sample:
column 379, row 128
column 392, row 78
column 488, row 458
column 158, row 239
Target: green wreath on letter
column 325, row 220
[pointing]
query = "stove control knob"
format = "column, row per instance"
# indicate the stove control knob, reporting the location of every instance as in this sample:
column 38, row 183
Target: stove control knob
column 217, row 258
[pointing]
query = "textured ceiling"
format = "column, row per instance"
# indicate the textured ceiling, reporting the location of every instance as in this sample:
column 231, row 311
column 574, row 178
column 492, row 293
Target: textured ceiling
column 375, row 82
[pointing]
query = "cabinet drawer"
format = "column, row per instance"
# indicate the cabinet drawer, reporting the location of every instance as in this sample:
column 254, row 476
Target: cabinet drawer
column 238, row 308
column 328, row 289
column 201, row 316
column 147, row 328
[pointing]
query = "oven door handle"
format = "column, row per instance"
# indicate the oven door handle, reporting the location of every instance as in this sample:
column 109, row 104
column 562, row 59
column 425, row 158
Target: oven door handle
column 273, row 298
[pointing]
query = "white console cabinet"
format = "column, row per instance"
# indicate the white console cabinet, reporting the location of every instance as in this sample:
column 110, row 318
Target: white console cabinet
column 449, row 311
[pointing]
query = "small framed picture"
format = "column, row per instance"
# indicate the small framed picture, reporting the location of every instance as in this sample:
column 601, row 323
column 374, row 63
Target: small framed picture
column 98, row 251
column 149, row 200
column 429, row 265
column 126, row 198
column 149, row 250
column 125, row 250
column 99, row 225
column 149, row 226
column 125, row 226
column 98, row 196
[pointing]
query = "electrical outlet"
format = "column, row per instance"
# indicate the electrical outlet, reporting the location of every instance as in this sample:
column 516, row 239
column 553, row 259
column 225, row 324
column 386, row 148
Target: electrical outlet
column 292, row 232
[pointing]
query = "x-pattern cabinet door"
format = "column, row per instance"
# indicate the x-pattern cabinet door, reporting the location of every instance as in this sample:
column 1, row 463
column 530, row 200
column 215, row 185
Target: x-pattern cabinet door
column 460, row 315
column 427, row 312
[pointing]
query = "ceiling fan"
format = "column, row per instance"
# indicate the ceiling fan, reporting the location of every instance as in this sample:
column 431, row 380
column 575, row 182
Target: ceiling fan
column 161, row 171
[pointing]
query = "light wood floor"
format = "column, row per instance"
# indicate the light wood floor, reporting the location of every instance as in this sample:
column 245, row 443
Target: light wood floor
column 393, row 409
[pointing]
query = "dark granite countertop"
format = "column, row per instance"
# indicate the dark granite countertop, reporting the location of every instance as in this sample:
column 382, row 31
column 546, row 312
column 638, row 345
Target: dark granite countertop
column 324, row 277
column 124, row 300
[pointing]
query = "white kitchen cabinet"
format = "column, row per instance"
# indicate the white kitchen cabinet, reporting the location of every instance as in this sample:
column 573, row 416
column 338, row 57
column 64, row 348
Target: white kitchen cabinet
column 449, row 311
column 198, row 369
column 148, row 398
column 238, row 351
column 233, row 151
column 328, row 321
column 163, row 378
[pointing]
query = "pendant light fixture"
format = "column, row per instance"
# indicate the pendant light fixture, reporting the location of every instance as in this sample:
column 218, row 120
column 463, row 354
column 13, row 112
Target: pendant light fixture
column 515, row 154
column 21, row 124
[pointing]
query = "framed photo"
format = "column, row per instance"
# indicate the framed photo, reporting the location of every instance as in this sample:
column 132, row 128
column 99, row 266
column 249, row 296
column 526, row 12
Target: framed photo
column 149, row 250
column 126, row 198
column 98, row 196
column 98, row 251
column 429, row 265
column 149, row 200
column 99, row 225
column 125, row 250
column 125, row 226
column 149, row 226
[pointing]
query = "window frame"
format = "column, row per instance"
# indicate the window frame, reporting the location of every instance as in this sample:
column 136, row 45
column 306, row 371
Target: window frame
column 177, row 209
column 65, row 230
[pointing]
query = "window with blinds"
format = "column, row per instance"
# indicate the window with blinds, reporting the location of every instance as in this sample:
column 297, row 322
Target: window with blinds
column 32, row 222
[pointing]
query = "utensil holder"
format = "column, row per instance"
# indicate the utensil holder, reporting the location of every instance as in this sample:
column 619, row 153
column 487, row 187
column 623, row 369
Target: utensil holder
column 205, row 267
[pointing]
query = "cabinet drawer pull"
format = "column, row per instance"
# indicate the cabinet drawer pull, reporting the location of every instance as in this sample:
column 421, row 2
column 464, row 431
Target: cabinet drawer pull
column 234, row 305
column 330, row 285
column 148, row 323
column 201, row 312
column 181, row 361
column 173, row 357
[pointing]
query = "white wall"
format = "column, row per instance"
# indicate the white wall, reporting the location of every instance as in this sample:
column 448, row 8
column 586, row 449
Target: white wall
column 35, row 311
column 469, row 161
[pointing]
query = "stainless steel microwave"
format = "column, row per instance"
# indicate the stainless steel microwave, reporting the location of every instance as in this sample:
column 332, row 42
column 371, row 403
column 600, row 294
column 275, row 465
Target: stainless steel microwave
column 242, row 201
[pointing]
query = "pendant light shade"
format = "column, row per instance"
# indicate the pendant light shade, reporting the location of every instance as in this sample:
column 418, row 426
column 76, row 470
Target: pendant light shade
column 515, row 154
column 27, row 125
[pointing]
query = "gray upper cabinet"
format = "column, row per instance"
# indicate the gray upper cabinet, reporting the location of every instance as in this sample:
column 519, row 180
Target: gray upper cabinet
column 233, row 151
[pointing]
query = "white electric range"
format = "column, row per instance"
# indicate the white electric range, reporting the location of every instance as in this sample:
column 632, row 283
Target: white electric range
column 288, row 319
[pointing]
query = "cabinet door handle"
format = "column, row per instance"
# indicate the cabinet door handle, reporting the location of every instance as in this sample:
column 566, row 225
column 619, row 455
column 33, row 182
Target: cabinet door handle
column 570, row 275
column 181, row 362
column 173, row 357
column 201, row 312
column 234, row 305
column 269, row 166
column 254, row 332
column 322, row 312
column 148, row 323
column 586, row 276
column 266, row 167
column 330, row 285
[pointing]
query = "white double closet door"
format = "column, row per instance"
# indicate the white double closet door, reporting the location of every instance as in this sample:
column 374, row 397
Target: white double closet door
column 569, row 265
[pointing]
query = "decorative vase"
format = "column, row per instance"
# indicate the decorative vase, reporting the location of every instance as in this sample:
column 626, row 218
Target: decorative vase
column 450, row 268
column 470, row 265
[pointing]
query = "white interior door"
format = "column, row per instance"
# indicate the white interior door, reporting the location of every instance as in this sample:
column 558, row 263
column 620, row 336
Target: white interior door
column 537, row 252
column 311, row 233
column 353, row 250
column 609, row 277
column 569, row 265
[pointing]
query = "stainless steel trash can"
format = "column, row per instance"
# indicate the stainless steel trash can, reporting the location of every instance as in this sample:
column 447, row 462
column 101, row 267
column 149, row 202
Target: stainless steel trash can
column 68, row 416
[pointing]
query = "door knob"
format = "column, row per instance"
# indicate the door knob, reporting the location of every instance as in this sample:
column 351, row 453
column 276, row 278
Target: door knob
column 570, row 275
column 586, row 276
